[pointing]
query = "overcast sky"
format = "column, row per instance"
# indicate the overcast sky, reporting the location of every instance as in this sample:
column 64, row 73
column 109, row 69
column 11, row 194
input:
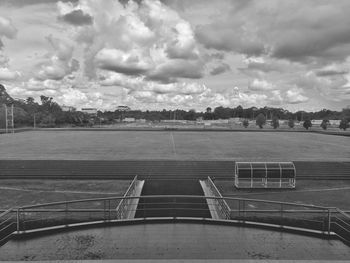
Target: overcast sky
column 178, row 54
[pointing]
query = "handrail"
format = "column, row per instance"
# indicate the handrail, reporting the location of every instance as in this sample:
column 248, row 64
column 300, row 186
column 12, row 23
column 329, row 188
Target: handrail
column 131, row 186
column 174, row 196
column 324, row 219
column 6, row 212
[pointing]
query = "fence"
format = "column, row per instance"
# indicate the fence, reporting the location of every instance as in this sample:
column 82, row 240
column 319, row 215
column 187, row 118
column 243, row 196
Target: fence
column 244, row 211
column 122, row 208
column 222, row 207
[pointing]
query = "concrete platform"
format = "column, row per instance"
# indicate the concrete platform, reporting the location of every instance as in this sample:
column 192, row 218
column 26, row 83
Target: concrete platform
column 175, row 241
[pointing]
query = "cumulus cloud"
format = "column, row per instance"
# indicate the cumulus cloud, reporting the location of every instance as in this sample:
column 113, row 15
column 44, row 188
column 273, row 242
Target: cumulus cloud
column 6, row 74
column 138, row 84
column 220, row 69
column 315, row 31
column 146, row 38
column 7, row 29
column 295, row 96
column 60, row 63
column 260, row 85
column 128, row 63
column 77, row 18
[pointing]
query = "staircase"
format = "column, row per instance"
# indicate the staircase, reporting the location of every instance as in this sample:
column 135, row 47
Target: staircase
column 172, row 206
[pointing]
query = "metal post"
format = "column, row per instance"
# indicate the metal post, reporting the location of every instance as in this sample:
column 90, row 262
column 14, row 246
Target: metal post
column 329, row 221
column 6, row 121
column 104, row 210
column 12, row 121
column 66, row 213
column 18, row 219
column 281, row 215
column 109, row 209
column 24, row 221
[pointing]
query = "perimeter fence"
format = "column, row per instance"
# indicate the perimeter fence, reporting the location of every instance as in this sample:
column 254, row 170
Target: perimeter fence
column 26, row 219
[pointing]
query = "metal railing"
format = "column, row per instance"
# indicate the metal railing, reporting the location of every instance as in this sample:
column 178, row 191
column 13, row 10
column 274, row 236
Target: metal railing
column 326, row 220
column 7, row 225
column 122, row 208
column 222, row 207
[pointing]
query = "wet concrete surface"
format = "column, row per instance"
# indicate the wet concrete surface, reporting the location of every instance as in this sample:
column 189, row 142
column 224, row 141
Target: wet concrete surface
column 172, row 207
column 174, row 241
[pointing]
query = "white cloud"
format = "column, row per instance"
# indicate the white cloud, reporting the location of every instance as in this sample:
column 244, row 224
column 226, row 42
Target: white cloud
column 60, row 63
column 7, row 29
column 295, row 96
column 261, row 85
column 7, row 75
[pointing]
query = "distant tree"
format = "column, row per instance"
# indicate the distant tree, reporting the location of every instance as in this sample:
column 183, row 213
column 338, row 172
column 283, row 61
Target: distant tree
column 324, row 124
column 291, row 123
column 307, row 124
column 344, row 124
column 30, row 100
column 260, row 120
column 245, row 123
column 275, row 123
column 208, row 110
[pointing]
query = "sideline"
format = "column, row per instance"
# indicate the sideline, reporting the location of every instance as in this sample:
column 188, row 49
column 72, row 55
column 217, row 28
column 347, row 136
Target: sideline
column 173, row 142
column 57, row 191
column 293, row 191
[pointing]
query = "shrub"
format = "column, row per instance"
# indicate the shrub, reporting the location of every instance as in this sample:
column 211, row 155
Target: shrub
column 344, row 124
column 260, row 120
column 307, row 124
column 324, row 124
column 291, row 123
column 245, row 123
column 275, row 123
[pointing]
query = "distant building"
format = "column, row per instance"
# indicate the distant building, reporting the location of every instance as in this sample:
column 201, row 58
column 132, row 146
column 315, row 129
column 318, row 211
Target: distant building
column 68, row 108
column 334, row 122
column 123, row 108
column 316, row 122
column 91, row 111
column 129, row 120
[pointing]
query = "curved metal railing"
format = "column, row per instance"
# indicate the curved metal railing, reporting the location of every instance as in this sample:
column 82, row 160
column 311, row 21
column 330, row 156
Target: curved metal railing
column 327, row 220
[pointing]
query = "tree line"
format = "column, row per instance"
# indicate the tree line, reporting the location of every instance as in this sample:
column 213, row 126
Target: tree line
column 48, row 113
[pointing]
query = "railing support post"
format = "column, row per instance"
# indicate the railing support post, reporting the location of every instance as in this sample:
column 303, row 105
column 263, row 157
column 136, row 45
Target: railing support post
column 18, row 221
column 109, row 209
column 281, row 215
column 66, row 212
column 329, row 221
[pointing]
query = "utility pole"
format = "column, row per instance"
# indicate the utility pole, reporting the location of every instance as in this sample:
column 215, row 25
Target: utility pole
column 9, row 119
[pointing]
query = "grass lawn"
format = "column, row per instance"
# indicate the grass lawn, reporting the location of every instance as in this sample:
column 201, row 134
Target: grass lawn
column 199, row 145
column 15, row 193
column 323, row 193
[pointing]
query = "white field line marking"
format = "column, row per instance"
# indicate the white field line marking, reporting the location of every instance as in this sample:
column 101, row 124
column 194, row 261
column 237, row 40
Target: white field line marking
column 173, row 143
column 296, row 191
column 56, row 191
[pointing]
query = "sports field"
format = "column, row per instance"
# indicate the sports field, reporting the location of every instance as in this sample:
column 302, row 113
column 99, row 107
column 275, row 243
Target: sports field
column 182, row 145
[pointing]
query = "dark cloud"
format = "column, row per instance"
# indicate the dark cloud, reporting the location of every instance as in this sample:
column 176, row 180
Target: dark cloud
column 19, row 3
column 326, row 73
column 174, row 69
column 77, row 18
column 220, row 69
column 214, row 36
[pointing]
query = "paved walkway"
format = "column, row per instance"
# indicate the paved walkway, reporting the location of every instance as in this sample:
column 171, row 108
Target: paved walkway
column 175, row 241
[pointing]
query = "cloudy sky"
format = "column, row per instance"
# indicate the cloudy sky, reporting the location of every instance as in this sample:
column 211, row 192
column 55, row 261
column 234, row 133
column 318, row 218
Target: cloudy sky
column 151, row 54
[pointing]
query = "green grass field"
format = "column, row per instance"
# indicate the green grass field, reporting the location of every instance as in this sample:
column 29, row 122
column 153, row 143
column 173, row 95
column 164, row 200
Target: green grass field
column 116, row 145
column 14, row 193
column 184, row 145
column 330, row 193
